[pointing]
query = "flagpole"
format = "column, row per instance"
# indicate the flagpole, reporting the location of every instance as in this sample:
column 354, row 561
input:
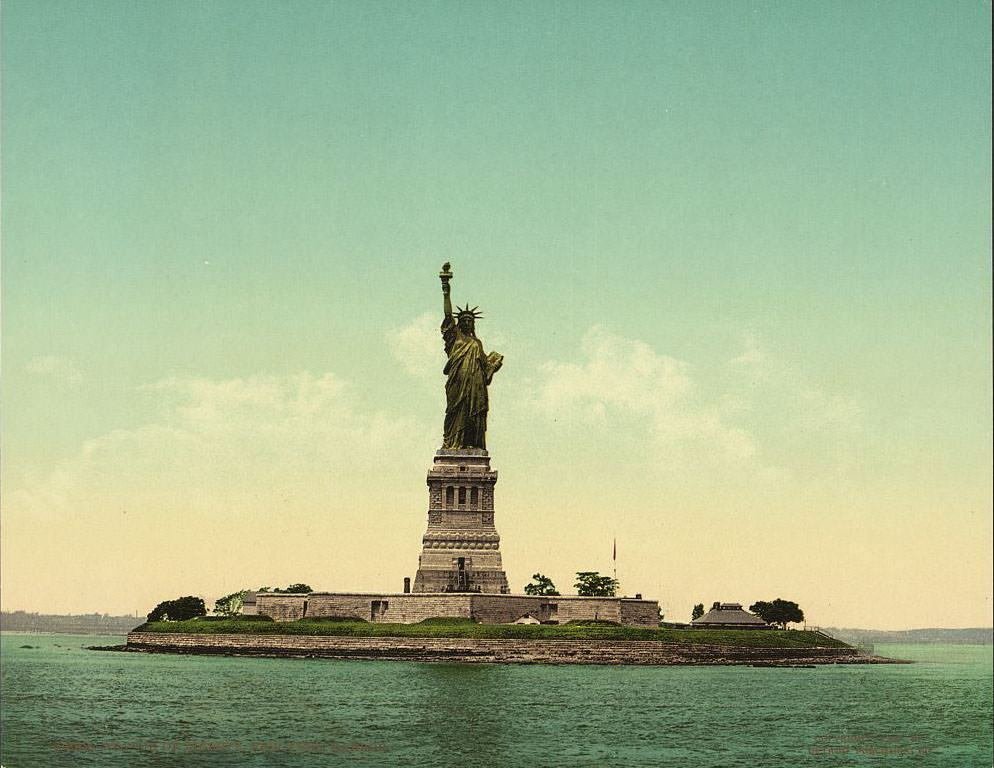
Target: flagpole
column 614, row 558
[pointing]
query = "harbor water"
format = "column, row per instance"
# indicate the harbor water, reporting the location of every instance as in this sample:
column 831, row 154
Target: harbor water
column 67, row 706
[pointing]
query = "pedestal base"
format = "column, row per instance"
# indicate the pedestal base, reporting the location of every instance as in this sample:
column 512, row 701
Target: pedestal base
column 461, row 549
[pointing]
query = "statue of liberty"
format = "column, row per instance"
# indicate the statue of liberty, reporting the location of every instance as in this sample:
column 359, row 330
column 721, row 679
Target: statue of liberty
column 469, row 371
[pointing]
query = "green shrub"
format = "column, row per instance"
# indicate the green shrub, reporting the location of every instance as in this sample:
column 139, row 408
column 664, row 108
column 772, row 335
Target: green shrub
column 444, row 621
column 332, row 619
column 592, row 623
column 230, row 605
column 180, row 609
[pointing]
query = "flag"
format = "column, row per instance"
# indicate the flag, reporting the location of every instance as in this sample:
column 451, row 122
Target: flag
column 615, row 555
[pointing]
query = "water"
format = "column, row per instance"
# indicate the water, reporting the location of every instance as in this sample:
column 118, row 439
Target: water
column 65, row 706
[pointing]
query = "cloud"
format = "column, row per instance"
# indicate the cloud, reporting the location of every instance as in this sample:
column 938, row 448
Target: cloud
column 619, row 378
column 419, row 349
column 736, row 417
column 264, row 435
column 55, row 366
column 234, row 479
column 418, row 346
column 236, row 482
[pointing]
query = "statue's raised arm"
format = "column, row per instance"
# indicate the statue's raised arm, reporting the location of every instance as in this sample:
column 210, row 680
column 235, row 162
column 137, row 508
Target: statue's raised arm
column 469, row 370
column 445, row 275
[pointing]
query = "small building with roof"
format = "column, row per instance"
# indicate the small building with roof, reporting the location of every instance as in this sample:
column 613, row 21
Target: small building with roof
column 729, row 616
column 249, row 603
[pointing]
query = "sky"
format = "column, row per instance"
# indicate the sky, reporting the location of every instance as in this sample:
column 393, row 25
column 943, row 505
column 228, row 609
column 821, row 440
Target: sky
column 737, row 257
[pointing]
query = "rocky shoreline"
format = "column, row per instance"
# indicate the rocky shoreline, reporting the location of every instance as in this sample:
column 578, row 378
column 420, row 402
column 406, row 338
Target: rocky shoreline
column 464, row 650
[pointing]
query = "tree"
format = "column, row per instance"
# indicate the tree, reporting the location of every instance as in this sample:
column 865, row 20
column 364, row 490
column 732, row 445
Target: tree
column 541, row 585
column 698, row 611
column 180, row 609
column 779, row 612
column 230, row 605
column 592, row 584
column 293, row 588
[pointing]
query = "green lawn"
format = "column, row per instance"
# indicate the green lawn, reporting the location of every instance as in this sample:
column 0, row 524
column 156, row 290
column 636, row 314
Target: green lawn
column 753, row 638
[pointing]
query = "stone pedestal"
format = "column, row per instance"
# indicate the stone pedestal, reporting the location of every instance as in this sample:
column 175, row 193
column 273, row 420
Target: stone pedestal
column 461, row 549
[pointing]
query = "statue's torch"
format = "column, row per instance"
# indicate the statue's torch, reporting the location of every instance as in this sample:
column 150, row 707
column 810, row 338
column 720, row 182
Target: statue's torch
column 445, row 275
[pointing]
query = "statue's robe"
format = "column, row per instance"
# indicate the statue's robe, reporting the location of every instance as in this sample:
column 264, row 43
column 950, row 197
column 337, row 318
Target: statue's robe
column 465, row 389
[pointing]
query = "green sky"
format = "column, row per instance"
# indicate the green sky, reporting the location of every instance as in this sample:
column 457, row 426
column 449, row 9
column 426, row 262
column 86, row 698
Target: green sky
column 737, row 256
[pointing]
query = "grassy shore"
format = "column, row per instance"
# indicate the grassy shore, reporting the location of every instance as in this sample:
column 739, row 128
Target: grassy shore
column 463, row 628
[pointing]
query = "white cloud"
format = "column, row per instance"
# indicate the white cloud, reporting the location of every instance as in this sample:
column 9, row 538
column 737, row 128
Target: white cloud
column 56, row 366
column 812, row 428
column 263, row 478
column 262, row 434
column 235, row 479
column 620, row 377
column 739, row 419
column 418, row 346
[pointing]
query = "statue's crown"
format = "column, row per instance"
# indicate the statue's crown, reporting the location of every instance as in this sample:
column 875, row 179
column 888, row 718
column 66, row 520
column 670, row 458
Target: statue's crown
column 467, row 312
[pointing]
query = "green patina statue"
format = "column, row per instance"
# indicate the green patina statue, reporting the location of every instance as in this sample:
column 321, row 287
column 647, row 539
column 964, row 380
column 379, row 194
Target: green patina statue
column 469, row 371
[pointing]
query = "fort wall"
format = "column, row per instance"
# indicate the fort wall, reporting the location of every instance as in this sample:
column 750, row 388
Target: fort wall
column 410, row 608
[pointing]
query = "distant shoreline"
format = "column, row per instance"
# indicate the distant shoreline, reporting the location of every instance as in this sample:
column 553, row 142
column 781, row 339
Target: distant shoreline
column 72, row 624
column 966, row 636
column 78, row 633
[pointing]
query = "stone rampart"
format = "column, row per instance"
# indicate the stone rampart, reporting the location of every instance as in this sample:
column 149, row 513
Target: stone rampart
column 281, row 607
column 487, row 651
column 640, row 613
column 410, row 608
column 391, row 608
column 591, row 609
column 505, row 609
